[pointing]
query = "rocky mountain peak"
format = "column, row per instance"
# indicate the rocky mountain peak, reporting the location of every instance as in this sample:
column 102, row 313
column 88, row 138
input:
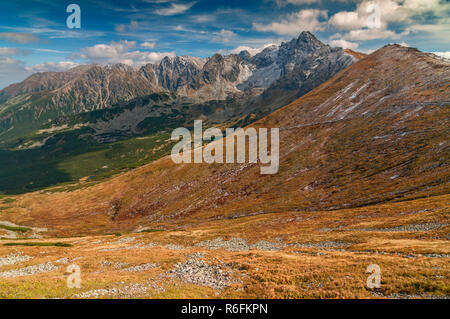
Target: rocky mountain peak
column 245, row 55
column 277, row 74
column 266, row 57
column 173, row 72
column 305, row 43
column 121, row 67
column 307, row 36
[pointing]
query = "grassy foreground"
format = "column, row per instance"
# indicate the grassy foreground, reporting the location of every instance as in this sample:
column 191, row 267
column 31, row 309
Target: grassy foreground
column 288, row 255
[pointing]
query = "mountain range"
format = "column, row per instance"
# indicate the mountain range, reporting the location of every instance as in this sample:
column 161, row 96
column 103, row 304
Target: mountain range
column 363, row 183
column 373, row 133
column 282, row 72
column 51, row 117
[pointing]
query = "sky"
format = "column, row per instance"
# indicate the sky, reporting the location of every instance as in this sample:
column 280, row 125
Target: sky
column 35, row 35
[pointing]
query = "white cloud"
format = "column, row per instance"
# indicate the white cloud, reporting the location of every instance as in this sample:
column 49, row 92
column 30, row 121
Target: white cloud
column 404, row 13
column 400, row 10
column 438, row 32
column 344, row 44
column 174, row 9
column 142, row 58
column 443, row 54
column 132, row 26
column 52, row 66
column 119, row 52
column 184, row 29
column 224, row 36
column 371, row 34
column 52, row 51
column 421, row 6
column 19, row 37
column 108, row 51
column 304, row 20
column 250, row 50
column 148, row 45
column 203, row 18
column 347, row 20
column 13, row 70
column 8, row 51
column 282, row 3
column 9, row 61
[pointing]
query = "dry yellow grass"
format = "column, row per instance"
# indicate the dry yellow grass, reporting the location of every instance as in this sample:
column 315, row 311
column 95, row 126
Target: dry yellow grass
column 294, row 272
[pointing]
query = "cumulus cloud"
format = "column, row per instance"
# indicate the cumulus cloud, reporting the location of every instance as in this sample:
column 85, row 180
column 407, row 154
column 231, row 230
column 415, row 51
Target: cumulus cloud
column 443, row 54
column 404, row 13
column 174, row 9
column 13, row 70
column 8, row 51
column 390, row 11
column 108, row 51
column 9, row 61
column 344, row 44
column 132, row 26
column 304, row 20
column 52, row 66
column 120, row 52
column 224, row 36
column 19, row 37
column 202, row 18
column 439, row 32
column 347, row 20
column 250, row 50
column 148, row 45
column 371, row 34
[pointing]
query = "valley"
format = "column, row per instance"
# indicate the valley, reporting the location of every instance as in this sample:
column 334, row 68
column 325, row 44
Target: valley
column 363, row 179
column 53, row 119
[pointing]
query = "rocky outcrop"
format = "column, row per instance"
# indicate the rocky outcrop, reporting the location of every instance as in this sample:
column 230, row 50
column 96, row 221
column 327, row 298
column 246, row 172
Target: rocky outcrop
column 172, row 73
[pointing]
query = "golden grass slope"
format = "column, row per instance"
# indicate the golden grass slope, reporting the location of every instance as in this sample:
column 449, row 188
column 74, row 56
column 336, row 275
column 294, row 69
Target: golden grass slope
column 413, row 264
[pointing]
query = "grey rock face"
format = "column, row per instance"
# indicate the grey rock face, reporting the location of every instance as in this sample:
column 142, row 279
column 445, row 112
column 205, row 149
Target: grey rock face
column 173, row 73
column 96, row 87
column 243, row 83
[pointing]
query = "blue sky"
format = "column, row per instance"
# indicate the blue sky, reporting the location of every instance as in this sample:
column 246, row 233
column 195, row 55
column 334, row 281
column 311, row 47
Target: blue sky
column 34, row 35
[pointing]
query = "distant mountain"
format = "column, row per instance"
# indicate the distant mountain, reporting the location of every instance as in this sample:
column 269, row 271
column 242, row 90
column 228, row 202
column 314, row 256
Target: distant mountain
column 244, row 83
column 303, row 64
column 172, row 73
column 98, row 120
column 373, row 133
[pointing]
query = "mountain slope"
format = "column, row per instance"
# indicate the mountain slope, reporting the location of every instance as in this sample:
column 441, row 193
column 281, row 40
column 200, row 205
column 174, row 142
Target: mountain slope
column 375, row 132
column 54, row 119
column 285, row 73
column 46, row 96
